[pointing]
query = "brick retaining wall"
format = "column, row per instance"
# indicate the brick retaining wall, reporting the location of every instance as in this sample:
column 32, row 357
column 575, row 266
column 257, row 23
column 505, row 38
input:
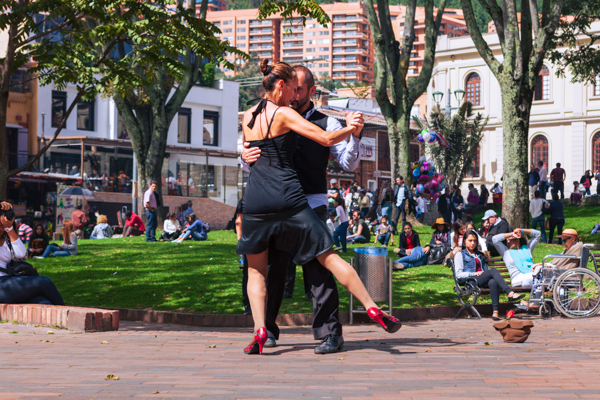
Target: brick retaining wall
column 72, row 318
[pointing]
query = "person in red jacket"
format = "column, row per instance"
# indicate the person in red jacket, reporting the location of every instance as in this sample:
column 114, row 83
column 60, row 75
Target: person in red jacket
column 134, row 226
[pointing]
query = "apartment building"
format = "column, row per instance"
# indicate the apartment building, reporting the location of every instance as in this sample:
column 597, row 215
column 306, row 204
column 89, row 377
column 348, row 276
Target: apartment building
column 343, row 50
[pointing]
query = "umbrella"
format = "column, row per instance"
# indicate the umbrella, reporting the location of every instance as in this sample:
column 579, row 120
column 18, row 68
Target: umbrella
column 79, row 192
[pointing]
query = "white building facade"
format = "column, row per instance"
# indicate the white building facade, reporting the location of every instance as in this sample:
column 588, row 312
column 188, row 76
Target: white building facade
column 565, row 116
column 201, row 158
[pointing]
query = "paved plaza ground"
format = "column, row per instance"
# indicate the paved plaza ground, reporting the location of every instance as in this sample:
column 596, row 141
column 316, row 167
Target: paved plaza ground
column 428, row 359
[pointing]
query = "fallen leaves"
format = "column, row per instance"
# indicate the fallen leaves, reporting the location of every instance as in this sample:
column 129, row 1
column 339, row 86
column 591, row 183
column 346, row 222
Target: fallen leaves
column 487, row 343
column 50, row 333
column 112, row 377
column 46, row 341
column 104, row 342
column 212, row 346
column 14, row 332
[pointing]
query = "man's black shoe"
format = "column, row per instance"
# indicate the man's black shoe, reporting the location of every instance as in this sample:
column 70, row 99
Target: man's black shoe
column 247, row 310
column 287, row 295
column 330, row 344
column 270, row 342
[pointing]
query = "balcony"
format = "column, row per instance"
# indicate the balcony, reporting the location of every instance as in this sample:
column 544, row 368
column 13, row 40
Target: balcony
column 293, row 36
column 337, row 18
column 292, row 52
column 263, row 22
column 346, row 42
column 344, row 26
column 260, row 38
column 259, row 31
column 262, row 46
column 292, row 44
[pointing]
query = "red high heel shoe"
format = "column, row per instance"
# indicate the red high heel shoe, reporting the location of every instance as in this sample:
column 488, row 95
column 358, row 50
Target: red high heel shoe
column 257, row 343
column 389, row 324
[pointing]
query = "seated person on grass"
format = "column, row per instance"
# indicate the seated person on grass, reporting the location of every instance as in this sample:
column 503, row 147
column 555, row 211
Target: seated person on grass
column 471, row 263
column 332, row 223
column 39, row 241
column 67, row 248
column 441, row 233
column 360, row 230
column 171, row 227
column 384, row 234
column 410, row 248
column 134, row 226
column 196, row 230
column 102, row 230
column 517, row 254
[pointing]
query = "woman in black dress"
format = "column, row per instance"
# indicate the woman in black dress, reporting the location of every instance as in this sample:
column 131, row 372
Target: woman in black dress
column 275, row 210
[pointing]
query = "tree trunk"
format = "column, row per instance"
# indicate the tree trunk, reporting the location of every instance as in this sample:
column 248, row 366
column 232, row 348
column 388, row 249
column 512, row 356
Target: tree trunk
column 399, row 138
column 515, row 129
column 4, row 93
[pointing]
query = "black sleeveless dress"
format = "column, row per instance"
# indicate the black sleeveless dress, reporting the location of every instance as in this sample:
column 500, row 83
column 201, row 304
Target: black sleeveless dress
column 275, row 210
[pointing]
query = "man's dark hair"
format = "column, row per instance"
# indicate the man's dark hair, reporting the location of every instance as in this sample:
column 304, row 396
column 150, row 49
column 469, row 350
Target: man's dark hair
column 540, row 163
column 384, row 216
column 153, row 183
column 558, row 164
column 128, row 214
column 79, row 206
column 308, row 76
column 332, row 213
column 404, row 224
column 400, row 177
column 537, row 194
column 555, row 196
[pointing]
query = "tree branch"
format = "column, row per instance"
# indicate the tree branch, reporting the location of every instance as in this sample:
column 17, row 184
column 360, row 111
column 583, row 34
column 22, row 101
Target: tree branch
column 480, row 43
column 535, row 19
column 47, row 32
column 62, row 123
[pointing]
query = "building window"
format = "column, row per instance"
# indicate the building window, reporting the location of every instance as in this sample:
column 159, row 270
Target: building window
column 85, row 115
column 474, row 172
column 383, row 152
column 184, row 125
column 596, row 151
column 240, row 30
column 542, row 85
column 474, row 89
column 59, row 107
column 539, row 149
column 210, row 132
column 597, row 86
column 227, row 22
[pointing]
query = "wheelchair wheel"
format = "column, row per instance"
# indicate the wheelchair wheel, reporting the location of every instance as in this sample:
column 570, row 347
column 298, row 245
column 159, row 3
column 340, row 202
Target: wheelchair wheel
column 545, row 310
column 577, row 293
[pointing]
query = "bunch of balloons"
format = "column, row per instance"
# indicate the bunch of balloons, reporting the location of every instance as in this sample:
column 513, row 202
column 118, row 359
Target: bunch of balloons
column 429, row 137
column 426, row 178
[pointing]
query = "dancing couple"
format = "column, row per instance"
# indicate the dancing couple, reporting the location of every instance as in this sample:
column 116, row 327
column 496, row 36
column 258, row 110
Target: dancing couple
column 276, row 214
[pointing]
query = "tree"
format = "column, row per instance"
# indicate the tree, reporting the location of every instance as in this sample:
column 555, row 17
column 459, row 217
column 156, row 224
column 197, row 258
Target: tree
column 582, row 56
column 253, row 89
column 392, row 59
column 463, row 133
column 148, row 106
column 524, row 45
column 326, row 81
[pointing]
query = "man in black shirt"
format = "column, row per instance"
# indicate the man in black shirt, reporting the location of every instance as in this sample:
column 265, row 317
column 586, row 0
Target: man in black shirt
column 497, row 225
column 444, row 208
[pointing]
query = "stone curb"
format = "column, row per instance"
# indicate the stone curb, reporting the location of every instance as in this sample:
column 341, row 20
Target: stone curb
column 240, row 321
column 80, row 319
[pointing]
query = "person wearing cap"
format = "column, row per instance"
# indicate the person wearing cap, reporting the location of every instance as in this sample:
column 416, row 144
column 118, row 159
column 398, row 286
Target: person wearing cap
column 441, row 232
column 497, row 225
column 517, row 254
column 332, row 193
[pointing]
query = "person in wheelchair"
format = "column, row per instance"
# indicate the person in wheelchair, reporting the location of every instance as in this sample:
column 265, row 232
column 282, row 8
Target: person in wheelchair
column 470, row 263
column 517, row 254
column 573, row 246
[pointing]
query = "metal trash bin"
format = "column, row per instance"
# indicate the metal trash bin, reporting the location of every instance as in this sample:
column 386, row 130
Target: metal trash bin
column 375, row 271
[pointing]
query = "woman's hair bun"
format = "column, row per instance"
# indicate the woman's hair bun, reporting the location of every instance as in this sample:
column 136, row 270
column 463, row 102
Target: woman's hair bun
column 265, row 68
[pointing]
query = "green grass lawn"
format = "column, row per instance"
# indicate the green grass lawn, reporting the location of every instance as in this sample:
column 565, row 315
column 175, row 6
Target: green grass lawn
column 204, row 277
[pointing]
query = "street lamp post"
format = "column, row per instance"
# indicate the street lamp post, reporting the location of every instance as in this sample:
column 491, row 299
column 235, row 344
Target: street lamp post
column 459, row 94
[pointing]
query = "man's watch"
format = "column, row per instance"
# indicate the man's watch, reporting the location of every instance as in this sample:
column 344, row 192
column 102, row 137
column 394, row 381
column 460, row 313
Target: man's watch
column 8, row 229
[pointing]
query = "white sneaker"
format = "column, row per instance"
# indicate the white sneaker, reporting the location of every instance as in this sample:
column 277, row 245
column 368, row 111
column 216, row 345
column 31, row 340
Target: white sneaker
column 38, row 257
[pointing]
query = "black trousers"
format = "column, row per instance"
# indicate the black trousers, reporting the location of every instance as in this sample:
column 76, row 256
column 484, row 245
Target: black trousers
column 559, row 186
column 397, row 212
column 558, row 225
column 493, row 280
column 290, row 279
column 323, row 287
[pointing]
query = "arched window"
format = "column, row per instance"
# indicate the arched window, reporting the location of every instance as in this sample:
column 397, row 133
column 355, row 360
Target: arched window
column 474, row 89
column 596, row 152
column 542, row 86
column 539, row 149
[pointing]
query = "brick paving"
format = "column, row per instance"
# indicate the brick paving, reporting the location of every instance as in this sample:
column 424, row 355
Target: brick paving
column 441, row 359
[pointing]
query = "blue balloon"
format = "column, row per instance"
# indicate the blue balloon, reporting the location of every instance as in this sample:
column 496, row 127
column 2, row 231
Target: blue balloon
column 420, row 188
column 416, row 172
column 431, row 173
